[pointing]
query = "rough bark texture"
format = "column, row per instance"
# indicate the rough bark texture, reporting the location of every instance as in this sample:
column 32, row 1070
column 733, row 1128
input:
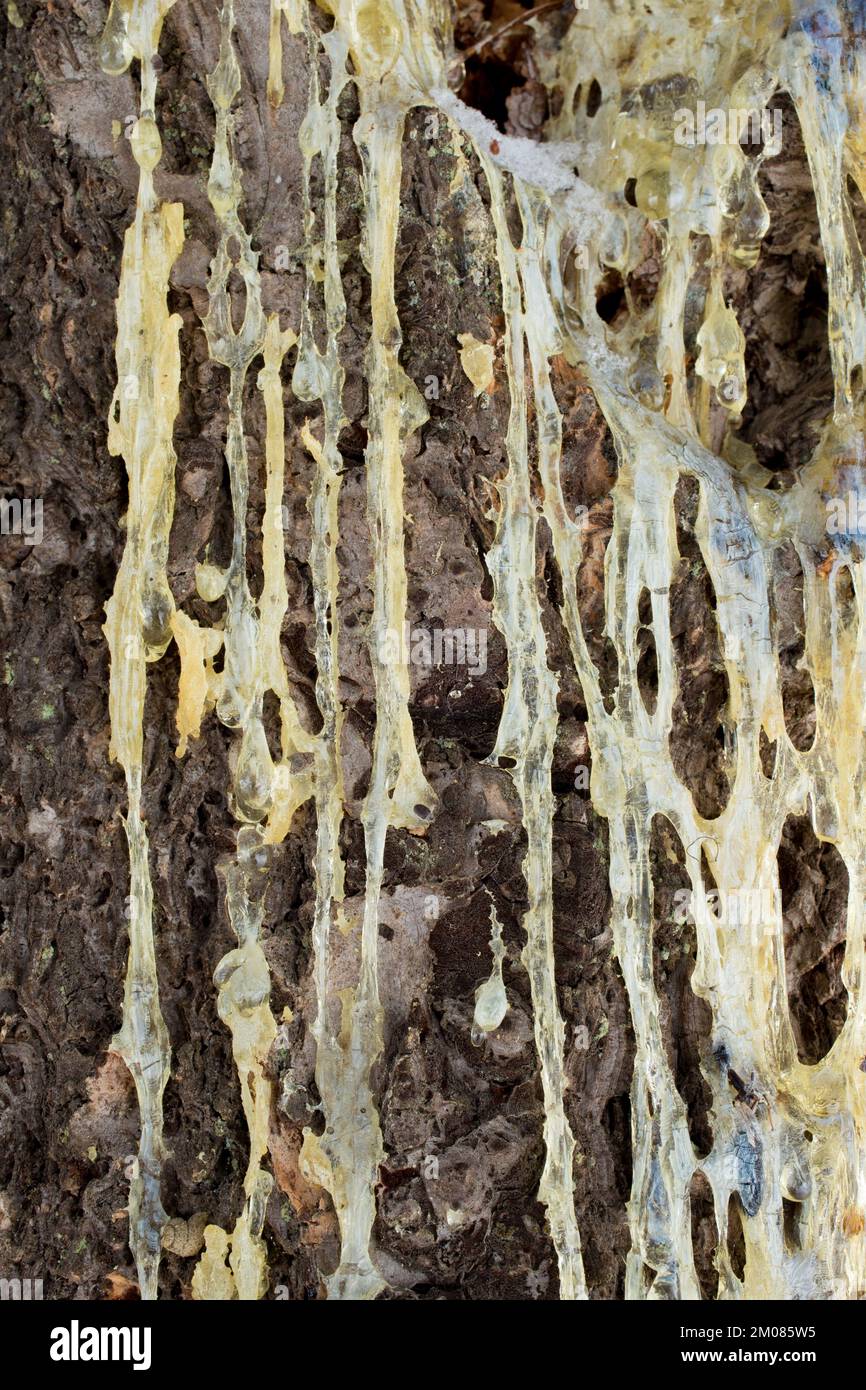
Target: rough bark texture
column 68, row 1117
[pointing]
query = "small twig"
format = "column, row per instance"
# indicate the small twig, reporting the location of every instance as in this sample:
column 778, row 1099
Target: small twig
column 510, row 24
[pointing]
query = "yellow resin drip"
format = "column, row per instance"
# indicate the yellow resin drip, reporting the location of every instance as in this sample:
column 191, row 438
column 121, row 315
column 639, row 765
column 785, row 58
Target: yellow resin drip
column 138, row 614
column 527, row 732
column 491, row 1000
column 265, row 794
column 345, row 1158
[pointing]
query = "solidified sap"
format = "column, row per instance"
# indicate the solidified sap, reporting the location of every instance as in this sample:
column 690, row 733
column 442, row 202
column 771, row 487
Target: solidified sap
column 667, row 81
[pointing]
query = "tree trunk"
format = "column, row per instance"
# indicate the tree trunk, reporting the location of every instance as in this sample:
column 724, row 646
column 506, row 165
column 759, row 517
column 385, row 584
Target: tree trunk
column 461, row 1104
